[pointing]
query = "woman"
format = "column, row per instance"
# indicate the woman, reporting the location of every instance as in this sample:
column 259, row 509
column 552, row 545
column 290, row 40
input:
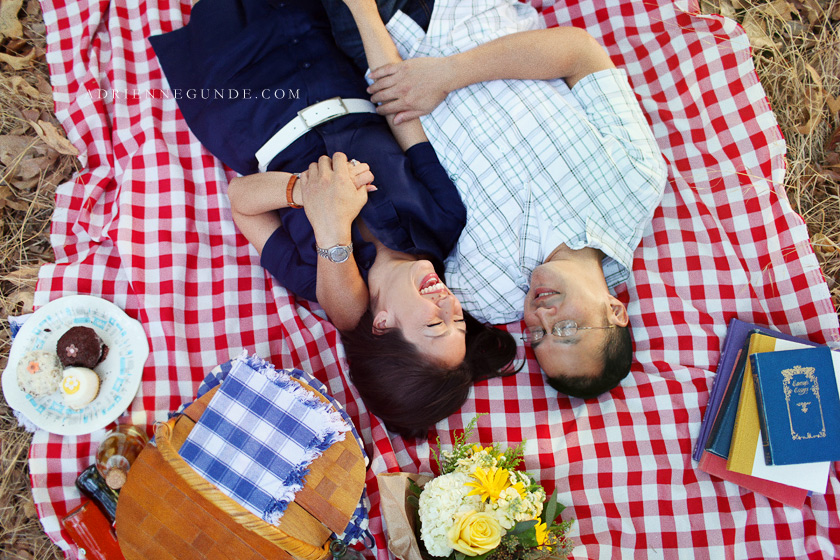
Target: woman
column 259, row 82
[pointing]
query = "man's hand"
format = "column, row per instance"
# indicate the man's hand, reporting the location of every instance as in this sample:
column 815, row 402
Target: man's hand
column 334, row 192
column 411, row 88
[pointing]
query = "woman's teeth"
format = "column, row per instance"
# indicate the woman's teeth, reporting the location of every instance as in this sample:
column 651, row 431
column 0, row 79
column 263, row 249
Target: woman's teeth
column 436, row 287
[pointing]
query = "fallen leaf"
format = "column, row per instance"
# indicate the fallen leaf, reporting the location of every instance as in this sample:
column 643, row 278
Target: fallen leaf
column 36, row 166
column 13, row 146
column 23, row 554
column 756, row 30
column 31, row 114
column 822, row 244
column 50, row 135
column 44, row 86
column 29, row 510
column 778, row 9
column 814, row 12
column 25, row 276
column 18, row 62
column 19, row 84
column 727, row 9
column 8, row 199
column 9, row 24
column 833, row 142
column 833, row 104
column 813, row 102
column 16, row 46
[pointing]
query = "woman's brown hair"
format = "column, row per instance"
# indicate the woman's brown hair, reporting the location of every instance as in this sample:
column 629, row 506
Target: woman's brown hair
column 406, row 390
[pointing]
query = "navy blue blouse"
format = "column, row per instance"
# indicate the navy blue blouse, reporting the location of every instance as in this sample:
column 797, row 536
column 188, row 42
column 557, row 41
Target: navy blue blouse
column 242, row 69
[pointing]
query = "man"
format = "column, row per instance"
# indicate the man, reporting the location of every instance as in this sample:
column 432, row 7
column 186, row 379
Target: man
column 553, row 159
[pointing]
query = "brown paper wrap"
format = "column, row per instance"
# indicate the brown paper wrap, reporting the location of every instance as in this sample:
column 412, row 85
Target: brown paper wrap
column 398, row 514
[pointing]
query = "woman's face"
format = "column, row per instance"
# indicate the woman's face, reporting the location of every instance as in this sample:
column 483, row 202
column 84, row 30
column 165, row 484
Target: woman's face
column 412, row 298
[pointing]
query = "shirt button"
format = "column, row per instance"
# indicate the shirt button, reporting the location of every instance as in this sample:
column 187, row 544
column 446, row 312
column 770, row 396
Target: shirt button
column 295, row 41
column 281, row 5
column 305, row 65
column 453, row 177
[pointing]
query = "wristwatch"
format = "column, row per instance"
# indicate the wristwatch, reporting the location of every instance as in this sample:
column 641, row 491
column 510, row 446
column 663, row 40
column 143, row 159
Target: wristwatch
column 336, row 253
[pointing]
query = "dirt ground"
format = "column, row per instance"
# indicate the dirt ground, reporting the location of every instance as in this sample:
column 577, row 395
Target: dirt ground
column 796, row 49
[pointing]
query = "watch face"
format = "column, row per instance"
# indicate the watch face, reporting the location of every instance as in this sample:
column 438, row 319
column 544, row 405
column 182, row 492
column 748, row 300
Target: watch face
column 339, row 254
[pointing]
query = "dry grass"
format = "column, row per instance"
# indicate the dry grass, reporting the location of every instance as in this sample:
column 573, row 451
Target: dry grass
column 796, row 47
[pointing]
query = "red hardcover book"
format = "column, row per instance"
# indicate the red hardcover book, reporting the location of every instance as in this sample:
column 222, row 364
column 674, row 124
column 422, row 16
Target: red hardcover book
column 788, row 495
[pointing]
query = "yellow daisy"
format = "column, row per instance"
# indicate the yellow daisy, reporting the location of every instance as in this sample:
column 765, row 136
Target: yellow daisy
column 489, row 484
column 542, row 534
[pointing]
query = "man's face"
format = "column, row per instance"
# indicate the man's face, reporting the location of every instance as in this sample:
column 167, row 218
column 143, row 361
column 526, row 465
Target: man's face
column 563, row 291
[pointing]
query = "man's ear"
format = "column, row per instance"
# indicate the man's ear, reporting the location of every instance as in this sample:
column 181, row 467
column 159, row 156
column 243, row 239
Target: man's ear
column 381, row 322
column 618, row 313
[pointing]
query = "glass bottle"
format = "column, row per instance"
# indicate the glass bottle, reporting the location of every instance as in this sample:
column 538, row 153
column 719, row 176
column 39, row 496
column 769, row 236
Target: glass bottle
column 341, row 551
column 117, row 452
column 91, row 484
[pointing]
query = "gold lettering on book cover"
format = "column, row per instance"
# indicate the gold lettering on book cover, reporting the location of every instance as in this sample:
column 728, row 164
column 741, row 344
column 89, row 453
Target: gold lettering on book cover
column 804, row 407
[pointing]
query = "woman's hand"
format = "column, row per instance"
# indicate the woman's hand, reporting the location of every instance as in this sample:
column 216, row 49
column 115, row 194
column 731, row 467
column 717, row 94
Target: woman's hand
column 334, row 191
column 359, row 172
column 412, row 88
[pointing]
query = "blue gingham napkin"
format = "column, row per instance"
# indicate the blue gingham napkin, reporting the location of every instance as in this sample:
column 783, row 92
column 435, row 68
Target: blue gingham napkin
column 357, row 528
column 258, row 436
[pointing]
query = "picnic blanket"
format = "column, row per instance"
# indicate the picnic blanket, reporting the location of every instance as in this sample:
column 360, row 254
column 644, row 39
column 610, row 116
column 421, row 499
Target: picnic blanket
column 146, row 223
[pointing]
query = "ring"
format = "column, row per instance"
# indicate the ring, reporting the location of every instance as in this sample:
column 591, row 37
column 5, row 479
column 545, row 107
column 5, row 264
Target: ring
column 354, row 162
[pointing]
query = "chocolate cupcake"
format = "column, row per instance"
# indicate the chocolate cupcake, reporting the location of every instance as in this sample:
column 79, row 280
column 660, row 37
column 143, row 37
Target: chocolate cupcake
column 81, row 347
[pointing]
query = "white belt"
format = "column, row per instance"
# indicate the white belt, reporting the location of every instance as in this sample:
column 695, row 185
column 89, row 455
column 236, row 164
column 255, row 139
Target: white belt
column 306, row 120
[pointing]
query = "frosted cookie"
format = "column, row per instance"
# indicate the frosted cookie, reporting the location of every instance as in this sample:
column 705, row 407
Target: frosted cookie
column 81, row 346
column 39, row 373
column 79, row 387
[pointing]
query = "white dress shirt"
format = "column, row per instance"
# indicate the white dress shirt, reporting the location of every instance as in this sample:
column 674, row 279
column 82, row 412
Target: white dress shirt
column 537, row 164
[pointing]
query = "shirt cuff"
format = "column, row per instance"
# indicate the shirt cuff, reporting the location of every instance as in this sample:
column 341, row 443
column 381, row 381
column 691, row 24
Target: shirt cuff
column 405, row 32
column 606, row 90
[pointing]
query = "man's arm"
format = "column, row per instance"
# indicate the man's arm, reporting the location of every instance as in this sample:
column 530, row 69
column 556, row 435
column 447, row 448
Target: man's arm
column 415, row 87
column 381, row 50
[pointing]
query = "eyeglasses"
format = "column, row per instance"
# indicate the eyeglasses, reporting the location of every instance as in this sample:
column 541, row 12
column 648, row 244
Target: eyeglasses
column 561, row 329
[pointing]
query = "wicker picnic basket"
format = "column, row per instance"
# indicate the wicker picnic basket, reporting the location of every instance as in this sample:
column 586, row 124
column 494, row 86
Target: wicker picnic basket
column 166, row 510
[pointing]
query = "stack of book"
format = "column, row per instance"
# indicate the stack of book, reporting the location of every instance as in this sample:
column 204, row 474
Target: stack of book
column 772, row 424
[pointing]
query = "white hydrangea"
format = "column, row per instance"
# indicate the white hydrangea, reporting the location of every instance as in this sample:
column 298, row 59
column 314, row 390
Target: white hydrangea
column 443, row 498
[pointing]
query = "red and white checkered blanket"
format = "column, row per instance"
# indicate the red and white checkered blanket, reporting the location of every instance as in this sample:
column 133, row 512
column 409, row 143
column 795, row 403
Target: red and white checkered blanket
column 146, row 224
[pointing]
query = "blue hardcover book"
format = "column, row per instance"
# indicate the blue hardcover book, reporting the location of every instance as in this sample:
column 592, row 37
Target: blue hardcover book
column 798, row 405
column 719, row 418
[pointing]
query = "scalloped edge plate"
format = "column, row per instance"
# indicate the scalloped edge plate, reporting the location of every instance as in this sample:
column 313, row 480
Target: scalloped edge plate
column 120, row 373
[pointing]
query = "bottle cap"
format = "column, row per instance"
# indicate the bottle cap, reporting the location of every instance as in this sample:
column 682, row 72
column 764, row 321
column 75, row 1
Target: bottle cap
column 116, row 478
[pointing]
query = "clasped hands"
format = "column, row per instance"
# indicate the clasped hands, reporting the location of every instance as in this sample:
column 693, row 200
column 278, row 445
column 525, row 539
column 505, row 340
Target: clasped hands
column 333, row 192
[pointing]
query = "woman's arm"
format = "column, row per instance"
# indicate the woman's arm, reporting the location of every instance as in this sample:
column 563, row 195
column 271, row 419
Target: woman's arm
column 255, row 199
column 412, row 88
column 332, row 201
column 380, row 50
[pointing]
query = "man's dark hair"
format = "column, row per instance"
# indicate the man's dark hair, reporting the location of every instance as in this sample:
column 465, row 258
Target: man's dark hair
column 409, row 392
column 617, row 353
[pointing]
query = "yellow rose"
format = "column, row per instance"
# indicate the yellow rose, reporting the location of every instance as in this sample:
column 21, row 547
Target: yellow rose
column 475, row 533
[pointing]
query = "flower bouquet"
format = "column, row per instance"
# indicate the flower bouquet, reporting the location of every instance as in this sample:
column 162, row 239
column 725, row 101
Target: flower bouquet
column 481, row 507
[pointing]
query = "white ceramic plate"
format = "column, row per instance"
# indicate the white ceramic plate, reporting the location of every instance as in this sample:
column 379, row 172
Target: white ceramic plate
column 119, row 373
